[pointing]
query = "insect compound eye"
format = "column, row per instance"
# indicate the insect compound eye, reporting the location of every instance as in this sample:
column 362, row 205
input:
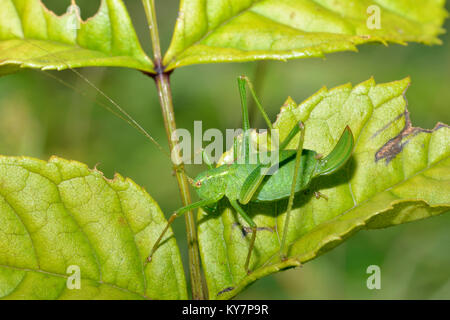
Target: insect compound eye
column 198, row 184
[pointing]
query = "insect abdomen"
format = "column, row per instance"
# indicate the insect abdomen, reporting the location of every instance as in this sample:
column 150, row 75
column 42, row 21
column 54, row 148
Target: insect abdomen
column 278, row 185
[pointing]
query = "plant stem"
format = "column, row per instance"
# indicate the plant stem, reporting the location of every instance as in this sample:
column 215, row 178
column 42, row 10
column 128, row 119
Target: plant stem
column 165, row 98
column 149, row 6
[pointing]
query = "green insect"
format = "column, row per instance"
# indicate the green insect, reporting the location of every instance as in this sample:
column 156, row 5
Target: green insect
column 243, row 182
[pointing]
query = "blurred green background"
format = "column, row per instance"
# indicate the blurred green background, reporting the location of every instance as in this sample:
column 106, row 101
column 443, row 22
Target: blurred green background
column 39, row 117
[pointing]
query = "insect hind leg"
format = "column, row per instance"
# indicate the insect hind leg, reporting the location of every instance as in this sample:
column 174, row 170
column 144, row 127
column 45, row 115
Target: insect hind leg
column 301, row 128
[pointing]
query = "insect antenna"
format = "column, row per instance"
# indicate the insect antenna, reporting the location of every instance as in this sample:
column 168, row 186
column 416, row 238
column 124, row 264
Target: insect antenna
column 119, row 112
column 122, row 115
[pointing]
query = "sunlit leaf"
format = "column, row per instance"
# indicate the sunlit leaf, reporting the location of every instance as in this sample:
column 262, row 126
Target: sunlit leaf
column 31, row 36
column 209, row 31
column 58, row 214
column 398, row 173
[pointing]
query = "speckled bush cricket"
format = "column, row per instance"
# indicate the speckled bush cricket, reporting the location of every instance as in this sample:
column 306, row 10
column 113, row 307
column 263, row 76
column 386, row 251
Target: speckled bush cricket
column 242, row 183
column 296, row 167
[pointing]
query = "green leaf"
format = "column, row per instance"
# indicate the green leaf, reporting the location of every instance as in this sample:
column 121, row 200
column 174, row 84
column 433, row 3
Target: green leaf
column 59, row 213
column 31, row 36
column 397, row 173
column 210, row 31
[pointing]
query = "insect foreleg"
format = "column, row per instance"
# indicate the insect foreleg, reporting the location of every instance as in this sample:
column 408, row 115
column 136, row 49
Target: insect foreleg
column 298, row 157
column 177, row 214
column 252, row 224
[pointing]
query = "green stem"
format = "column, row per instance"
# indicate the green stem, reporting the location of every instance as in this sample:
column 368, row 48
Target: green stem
column 165, row 99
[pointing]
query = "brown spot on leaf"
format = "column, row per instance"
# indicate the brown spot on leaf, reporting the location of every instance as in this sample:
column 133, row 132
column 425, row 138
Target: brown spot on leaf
column 395, row 145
